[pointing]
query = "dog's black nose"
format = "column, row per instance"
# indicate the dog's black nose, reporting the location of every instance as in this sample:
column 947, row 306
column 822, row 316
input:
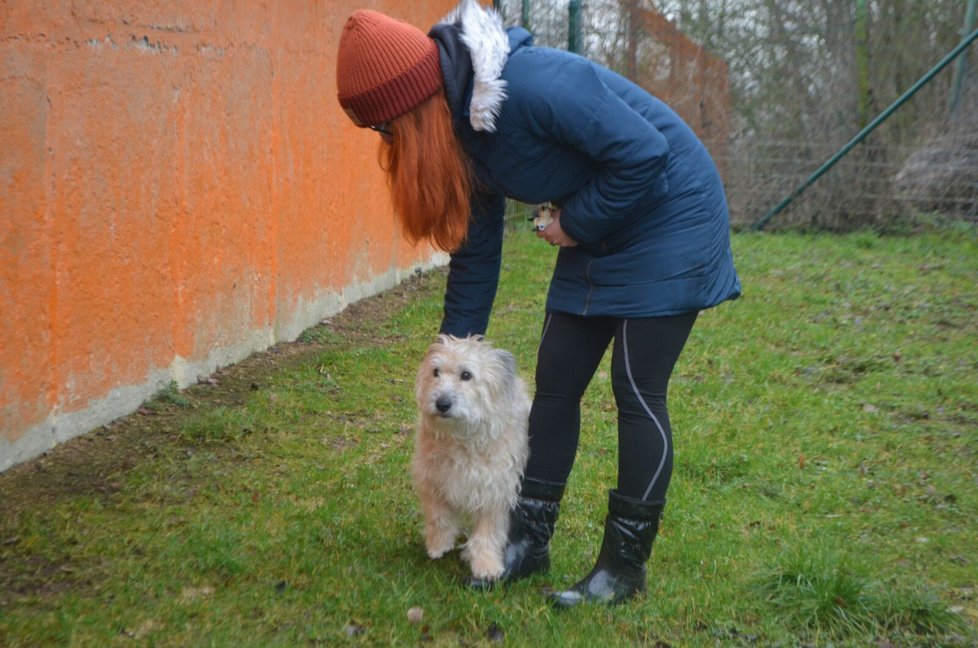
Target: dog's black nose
column 443, row 404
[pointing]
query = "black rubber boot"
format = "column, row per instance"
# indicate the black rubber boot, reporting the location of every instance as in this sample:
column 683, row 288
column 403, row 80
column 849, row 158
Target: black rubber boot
column 629, row 531
column 531, row 525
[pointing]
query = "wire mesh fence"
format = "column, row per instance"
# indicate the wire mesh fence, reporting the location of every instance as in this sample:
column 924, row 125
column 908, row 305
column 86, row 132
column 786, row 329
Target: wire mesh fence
column 775, row 87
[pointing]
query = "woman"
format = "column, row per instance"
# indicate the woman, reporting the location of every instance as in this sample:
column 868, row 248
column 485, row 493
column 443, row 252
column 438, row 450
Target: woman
column 470, row 114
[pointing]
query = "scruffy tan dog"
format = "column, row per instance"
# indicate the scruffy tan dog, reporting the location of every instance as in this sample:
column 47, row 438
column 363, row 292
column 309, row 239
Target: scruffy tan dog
column 470, row 449
column 543, row 215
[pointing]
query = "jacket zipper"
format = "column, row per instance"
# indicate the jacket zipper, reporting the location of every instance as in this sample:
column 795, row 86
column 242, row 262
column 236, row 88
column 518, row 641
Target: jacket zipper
column 590, row 287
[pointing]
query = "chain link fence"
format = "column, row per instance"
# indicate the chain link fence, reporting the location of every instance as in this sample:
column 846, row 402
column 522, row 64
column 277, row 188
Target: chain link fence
column 775, row 87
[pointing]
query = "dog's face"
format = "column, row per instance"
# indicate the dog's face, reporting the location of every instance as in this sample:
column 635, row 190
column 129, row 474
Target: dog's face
column 543, row 215
column 462, row 381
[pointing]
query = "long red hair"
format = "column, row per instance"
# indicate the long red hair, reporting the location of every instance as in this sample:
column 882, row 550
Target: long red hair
column 429, row 175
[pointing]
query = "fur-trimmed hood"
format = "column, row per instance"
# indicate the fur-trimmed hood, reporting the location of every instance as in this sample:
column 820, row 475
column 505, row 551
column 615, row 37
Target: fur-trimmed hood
column 474, row 48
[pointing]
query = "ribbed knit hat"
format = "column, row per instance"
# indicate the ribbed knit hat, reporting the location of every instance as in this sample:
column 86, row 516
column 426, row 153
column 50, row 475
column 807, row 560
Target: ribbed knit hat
column 384, row 68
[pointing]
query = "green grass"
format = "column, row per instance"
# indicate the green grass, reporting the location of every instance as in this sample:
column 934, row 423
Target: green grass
column 824, row 493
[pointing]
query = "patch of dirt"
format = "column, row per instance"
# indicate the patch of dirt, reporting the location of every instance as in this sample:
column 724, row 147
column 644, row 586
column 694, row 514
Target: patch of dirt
column 38, row 576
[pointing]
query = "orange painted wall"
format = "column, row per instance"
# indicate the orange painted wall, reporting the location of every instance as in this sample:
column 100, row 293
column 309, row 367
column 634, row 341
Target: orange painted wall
column 178, row 189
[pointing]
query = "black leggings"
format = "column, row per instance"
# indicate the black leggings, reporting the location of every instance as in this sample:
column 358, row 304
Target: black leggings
column 645, row 352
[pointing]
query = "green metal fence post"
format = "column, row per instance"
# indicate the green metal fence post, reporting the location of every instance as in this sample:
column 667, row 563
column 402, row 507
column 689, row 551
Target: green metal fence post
column 574, row 26
column 862, row 61
column 882, row 117
column 961, row 68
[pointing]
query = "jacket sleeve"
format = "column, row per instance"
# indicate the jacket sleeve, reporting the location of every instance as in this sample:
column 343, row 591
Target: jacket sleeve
column 580, row 111
column 473, row 272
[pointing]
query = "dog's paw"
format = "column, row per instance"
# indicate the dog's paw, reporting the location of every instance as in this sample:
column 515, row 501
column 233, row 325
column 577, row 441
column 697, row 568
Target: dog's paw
column 486, row 568
column 436, row 553
column 438, row 545
column 441, row 529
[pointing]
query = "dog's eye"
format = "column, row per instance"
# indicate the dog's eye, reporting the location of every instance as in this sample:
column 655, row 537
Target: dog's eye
column 465, row 375
column 436, row 372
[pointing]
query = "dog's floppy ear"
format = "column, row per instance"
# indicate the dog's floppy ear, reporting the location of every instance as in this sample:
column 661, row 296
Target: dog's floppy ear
column 441, row 340
column 507, row 362
column 507, row 359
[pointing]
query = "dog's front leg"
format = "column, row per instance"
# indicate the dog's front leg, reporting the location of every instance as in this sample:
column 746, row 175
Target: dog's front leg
column 484, row 549
column 441, row 524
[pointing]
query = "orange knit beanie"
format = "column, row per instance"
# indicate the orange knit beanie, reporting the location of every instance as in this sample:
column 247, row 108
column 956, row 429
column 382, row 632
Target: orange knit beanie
column 384, row 68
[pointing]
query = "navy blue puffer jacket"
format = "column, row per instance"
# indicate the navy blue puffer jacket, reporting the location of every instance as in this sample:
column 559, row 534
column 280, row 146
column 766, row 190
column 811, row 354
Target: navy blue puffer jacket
column 637, row 190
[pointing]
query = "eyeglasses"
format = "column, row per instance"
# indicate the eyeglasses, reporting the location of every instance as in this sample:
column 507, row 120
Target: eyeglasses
column 383, row 129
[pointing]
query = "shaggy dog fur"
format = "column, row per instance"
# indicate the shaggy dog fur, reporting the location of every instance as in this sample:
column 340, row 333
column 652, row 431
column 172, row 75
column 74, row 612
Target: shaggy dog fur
column 470, row 449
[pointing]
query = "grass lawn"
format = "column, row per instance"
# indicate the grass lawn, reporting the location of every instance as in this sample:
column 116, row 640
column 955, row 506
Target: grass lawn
column 825, row 489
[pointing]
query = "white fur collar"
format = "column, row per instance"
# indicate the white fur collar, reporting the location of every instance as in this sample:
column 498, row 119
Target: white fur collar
column 483, row 35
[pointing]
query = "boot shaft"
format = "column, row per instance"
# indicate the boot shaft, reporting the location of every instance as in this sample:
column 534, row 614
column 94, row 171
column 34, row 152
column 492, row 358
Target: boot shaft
column 533, row 520
column 630, row 530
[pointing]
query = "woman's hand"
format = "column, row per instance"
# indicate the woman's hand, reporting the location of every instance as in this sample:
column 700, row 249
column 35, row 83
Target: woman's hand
column 554, row 233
